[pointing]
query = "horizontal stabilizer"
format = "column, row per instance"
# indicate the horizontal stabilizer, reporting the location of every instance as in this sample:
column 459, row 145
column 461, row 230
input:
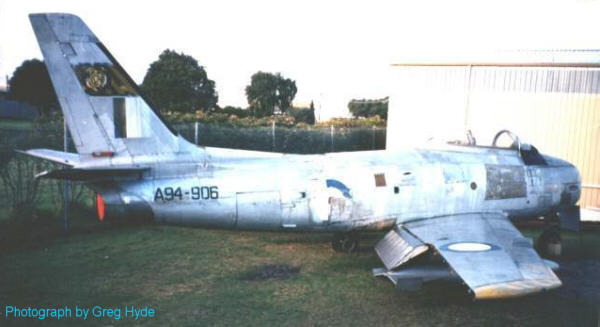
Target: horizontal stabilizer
column 78, row 174
column 63, row 158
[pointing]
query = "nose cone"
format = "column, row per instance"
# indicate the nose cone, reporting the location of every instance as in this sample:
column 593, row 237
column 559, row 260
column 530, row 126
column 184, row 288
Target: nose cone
column 574, row 189
column 568, row 176
column 557, row 162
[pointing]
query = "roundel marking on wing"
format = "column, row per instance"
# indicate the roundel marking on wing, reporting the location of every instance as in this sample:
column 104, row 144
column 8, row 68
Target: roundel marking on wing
column 469, row 247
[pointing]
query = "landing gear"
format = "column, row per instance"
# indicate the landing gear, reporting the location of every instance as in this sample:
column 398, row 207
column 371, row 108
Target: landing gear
column 549, row 244
column 345, row 242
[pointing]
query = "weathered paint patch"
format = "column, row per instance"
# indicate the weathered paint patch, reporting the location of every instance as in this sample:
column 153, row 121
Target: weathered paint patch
column 505, row 182
column 337, row 209
column 453, row 174
column 379, row 225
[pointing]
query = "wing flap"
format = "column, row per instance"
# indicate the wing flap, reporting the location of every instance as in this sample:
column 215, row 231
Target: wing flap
column 488, row 253
column 397, row 247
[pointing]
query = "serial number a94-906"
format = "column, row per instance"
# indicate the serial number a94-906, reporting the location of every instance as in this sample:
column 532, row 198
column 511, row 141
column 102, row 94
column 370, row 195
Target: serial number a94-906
column 194, row 193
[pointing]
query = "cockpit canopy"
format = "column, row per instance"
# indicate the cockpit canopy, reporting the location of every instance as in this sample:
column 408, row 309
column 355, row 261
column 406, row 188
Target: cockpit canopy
column 530, row 154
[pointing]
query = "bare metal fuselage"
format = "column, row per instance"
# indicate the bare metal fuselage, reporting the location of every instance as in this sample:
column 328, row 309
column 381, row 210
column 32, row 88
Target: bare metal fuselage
column 339, row 192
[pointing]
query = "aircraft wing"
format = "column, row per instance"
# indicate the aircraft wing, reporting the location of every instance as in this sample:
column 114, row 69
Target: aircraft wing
column 486, row 251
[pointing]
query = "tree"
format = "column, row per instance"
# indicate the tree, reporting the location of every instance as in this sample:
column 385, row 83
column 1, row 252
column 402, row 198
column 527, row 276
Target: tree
column 369, row 108
column 31, row 83
column 269, row 93
column 303, row 115
column 231, row 110
column 176, row 82
column 311, row 114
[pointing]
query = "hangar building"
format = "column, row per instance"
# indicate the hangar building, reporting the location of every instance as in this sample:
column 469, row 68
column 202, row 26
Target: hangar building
column 550, row 99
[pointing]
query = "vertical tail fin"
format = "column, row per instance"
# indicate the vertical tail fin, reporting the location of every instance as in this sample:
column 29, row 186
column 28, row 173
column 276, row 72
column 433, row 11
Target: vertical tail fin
column 102, row 105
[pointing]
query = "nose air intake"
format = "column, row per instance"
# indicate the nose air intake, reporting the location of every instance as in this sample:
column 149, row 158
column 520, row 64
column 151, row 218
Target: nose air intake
column 568, row 210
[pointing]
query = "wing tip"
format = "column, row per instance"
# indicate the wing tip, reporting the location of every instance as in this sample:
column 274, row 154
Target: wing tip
column 54, row 14
column 515, row 288
column 59, row 157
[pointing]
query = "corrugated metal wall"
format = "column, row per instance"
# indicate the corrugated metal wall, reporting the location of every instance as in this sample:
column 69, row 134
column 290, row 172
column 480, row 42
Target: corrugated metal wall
column 557, row 109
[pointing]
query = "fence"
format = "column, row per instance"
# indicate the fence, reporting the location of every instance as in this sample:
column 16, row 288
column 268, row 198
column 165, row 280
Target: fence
column 277, row 139
column 310, row 140
column 18, row 188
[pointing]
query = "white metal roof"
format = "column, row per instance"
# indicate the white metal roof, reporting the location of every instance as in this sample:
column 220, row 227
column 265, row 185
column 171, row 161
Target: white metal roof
column 527, row 58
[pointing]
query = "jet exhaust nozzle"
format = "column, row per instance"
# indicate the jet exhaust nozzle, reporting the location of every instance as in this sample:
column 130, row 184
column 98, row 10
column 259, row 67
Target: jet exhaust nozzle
column 122, row 207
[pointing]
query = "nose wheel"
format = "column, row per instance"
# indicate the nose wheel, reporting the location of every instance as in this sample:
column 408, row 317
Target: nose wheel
column 345, row 242
column 549, row 244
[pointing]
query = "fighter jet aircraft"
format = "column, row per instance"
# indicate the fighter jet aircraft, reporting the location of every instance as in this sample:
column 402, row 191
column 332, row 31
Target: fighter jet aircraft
column 452, row 202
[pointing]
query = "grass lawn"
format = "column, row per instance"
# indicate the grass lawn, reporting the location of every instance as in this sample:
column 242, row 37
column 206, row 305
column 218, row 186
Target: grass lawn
column 15, row 124
column 195, row 277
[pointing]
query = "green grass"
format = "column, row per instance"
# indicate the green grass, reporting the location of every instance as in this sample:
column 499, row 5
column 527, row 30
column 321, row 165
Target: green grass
column 15, row 124
column 196, row 277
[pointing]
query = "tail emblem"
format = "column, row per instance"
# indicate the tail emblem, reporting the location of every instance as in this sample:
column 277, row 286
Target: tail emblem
column 95, row 79
column 103, row 80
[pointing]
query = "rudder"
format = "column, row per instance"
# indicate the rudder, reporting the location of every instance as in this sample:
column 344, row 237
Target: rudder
column 104, row 109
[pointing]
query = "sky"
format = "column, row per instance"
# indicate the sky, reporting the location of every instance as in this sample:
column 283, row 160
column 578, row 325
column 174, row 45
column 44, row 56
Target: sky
column 334, row 50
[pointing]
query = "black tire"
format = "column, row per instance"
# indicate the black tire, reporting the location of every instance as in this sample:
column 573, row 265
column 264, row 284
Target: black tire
column 548, row 240
column 335, row 244
column 346, row 242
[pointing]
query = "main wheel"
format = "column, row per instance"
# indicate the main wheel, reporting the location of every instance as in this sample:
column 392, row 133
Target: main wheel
column 345, row 242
